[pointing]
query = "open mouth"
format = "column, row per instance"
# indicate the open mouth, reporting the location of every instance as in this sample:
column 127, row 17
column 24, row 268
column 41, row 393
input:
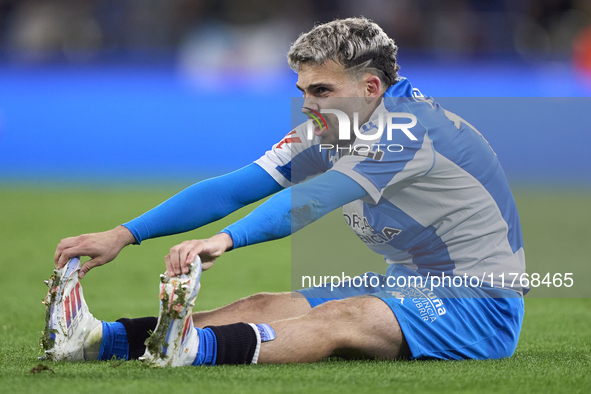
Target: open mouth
column 320, row 126
column 318, row 131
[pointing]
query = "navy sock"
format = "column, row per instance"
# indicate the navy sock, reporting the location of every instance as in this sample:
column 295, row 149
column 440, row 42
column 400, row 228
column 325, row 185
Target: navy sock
column 114, row 343
column 237, row 343
column 138, row 330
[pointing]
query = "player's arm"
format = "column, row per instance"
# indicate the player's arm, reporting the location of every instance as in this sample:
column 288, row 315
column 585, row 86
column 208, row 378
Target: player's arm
column 204, row 203
column 283, row 214
column 200, row 204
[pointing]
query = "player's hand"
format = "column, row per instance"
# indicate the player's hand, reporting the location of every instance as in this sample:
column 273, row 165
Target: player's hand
column 183, row 254
column 100, row 247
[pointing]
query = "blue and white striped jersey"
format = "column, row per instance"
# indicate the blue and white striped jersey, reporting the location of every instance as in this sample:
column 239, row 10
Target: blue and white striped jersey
column 437, row 204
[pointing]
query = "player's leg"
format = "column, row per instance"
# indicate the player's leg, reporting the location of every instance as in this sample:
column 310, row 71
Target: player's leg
column 72, row 333
column 259, row 308
column 352, row 327
column 349, row 327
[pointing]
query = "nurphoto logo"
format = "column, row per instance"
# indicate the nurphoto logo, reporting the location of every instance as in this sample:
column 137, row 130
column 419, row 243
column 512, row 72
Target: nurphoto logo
column 386, row 119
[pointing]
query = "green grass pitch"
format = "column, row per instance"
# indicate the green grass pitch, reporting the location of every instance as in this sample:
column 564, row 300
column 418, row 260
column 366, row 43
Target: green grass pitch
column 553, row 355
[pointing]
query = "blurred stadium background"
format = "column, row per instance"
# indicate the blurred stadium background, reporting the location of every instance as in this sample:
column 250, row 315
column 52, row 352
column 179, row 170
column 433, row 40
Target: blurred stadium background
column 173, row 90
column 100, row 96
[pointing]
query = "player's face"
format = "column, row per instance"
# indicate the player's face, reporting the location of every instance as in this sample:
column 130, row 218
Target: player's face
column 329, row 86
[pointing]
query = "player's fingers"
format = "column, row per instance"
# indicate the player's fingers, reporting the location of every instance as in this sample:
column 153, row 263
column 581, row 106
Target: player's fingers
column 185, row 250
column 71, row 247
column 63, row 245
column 56, row 258
column 184, row 253
column 66, row 255
column 175, row 260
column 193, row 249
column 178, row 260
column 190, row 258
column 87, row 266
column 169, row 268
column 56, row 255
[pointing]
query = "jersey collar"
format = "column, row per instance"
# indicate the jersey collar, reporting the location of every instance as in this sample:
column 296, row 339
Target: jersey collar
column 402, row 88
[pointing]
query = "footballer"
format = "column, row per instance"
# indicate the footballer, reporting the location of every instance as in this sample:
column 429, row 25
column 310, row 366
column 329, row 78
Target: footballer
column 436, row 205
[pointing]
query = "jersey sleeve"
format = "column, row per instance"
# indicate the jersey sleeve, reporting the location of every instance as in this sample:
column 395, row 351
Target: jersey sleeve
column 203, row 203
column 294, row 159
column 294, row 208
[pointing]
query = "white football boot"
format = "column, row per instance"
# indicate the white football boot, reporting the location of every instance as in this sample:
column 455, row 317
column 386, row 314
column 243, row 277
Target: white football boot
column 68, row 322
column 175, row 341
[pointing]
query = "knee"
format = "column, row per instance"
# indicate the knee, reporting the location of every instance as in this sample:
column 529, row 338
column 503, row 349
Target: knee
column 337, row 321
column 366, row 324
column 336, row 313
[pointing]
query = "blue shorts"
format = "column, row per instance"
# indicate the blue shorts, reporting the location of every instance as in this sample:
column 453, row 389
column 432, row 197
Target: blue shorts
column 449, row 323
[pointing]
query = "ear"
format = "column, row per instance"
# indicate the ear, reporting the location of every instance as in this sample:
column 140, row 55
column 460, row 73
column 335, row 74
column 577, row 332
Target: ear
column 372, row 85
